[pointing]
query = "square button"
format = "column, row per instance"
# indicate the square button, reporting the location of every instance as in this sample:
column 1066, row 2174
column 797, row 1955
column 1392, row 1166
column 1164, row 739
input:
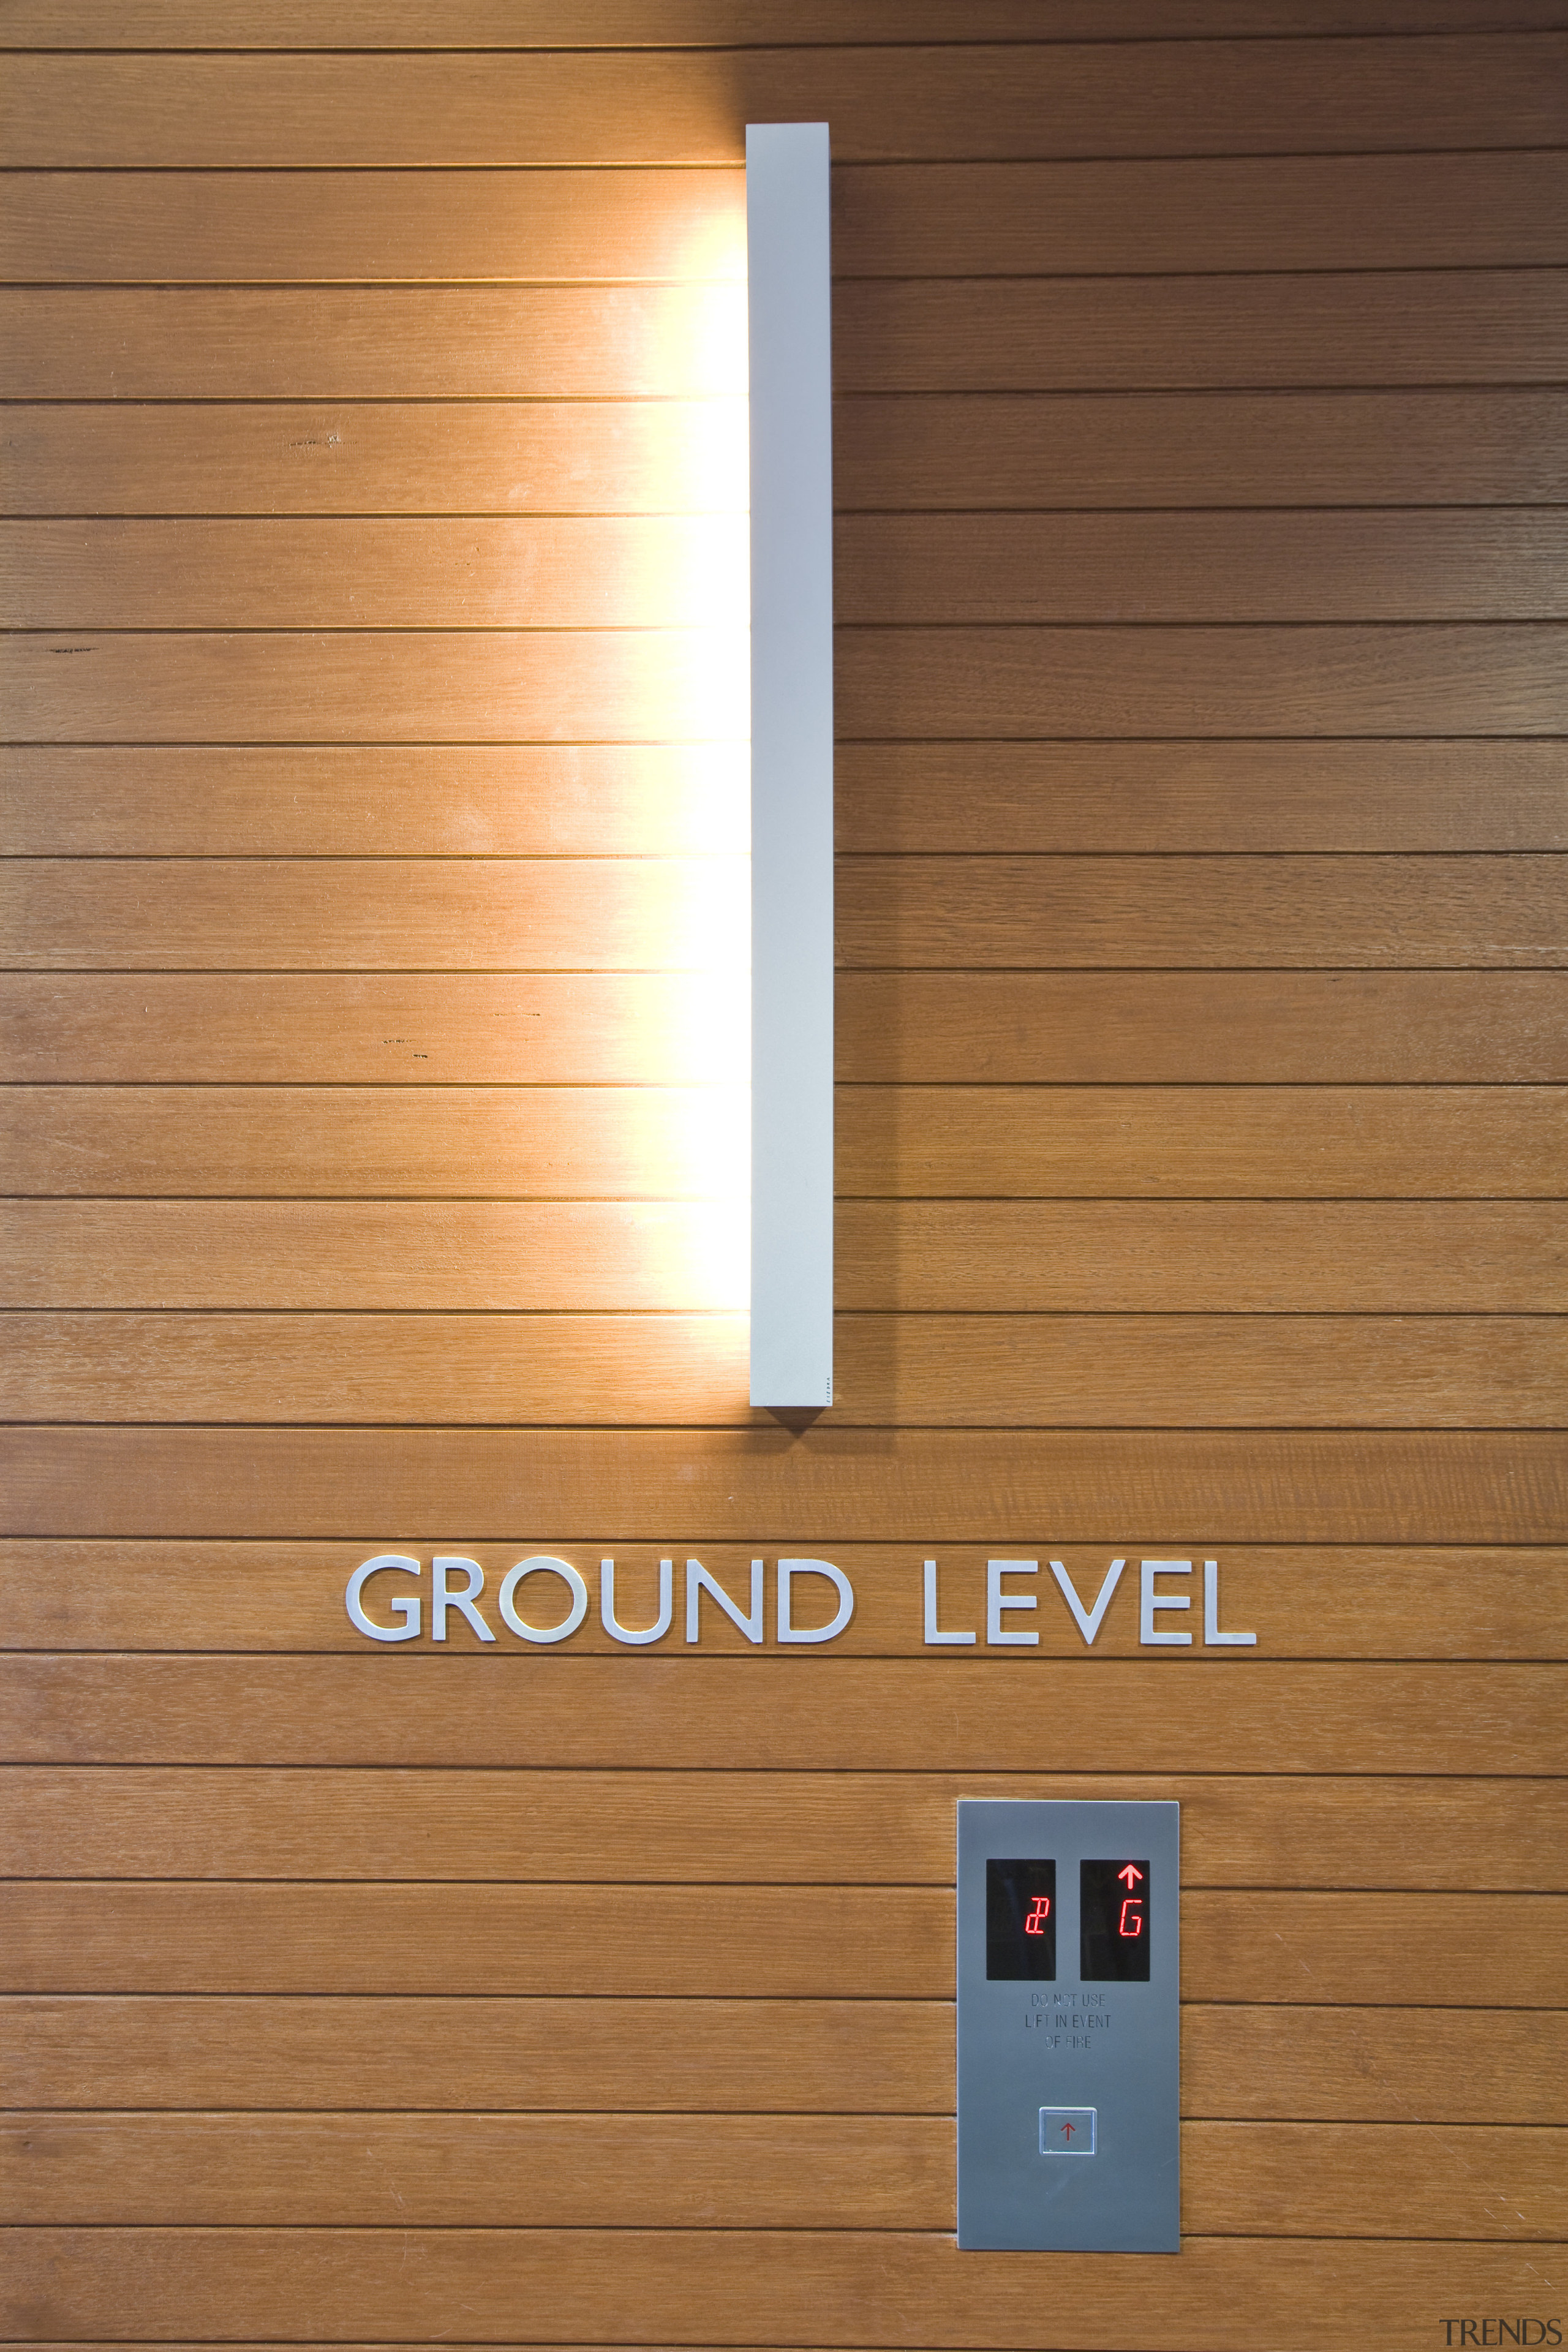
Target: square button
column 1067, row 2131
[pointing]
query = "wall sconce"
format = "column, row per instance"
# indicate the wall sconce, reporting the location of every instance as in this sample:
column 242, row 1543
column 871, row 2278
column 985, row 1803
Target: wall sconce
column 789, row 337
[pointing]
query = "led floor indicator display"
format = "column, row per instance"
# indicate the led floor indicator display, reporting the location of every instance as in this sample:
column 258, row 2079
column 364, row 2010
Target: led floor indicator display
column 1068, row 2017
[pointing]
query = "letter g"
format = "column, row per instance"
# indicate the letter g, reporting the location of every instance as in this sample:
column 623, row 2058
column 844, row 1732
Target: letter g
column 406, row 1606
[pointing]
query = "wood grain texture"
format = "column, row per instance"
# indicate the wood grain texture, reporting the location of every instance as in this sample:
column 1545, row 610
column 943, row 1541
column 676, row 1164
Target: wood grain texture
column 424, row 685
column 1504, row 445
column 662, row 1143
column 1231, row 1027
column 679, row 24
column 514, row 1142
column 518, row 800
column 528, row 799
column 1305, row 1602
column 689, row 572
column 1396, row 680
column 923, row 1486
column 616, row 342
column 575, row 1027
column 354, row 686
column 1225, row 333
column 958, row 797
column 931, row 220
column 255, row 227
column 953, row 1371
column 902, row 913
column 898, row 913
column 549, row 1256
column 926, row 1256
column 1060, row 334
column 1296, row 212
column 647, row 1827
column 695, row 2056
column 911, row 569
column 632, row 2287
column 111, row 1935
column 187, row 110
column 789, row 2172
column 625, row 914
column 576, row 572
column 561, row 457
column 512, row 1705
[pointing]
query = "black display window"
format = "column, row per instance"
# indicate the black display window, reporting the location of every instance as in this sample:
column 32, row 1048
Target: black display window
column 1113, row 1922
column 1021, row 1921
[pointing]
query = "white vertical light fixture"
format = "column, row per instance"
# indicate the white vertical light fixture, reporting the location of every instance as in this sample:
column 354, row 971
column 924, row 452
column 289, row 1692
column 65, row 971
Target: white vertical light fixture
column 792, row 764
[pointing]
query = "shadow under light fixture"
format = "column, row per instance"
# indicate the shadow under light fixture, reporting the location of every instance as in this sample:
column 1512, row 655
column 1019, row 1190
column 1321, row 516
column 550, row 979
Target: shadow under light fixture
column 789, row 348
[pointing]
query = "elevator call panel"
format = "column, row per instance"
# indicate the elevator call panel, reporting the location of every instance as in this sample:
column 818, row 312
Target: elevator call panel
column 1068, row 2023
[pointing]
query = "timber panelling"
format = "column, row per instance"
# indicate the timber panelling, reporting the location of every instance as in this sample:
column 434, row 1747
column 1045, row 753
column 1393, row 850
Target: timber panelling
column 441, row 2053
column 373, row 462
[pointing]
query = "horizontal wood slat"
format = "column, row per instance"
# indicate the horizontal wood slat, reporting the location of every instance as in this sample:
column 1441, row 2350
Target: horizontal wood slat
column 530, row 800
column 953, row 1371
column 667, row 1029
column 679, row 571
column 1164, row 911
column 1442, row 1602
column 667, row 226
column 1377, row 328
column 525, row 799
column 1296, row 212
column 645, row 1827
column 614, row 343
column 635, row 2170
column 862, row 2056
column 1504, row 445
column 1339, row 96
column 942, row 1257
column 576, row 572
column 642, row 1143
column 929, row 220
column 636, row 2286
column 1284, row 330
column 643, row 1712
column 112, row 1937
column 350, row 686
column 679, row 24
column 940, row 569
column 625, row 914
column 619, row 1143
column 1397, row 679
column 619, row 913
column 824, row 1487
column 354, row 686
column 1233, row 1027
column 577, row 1027
column 608, row 456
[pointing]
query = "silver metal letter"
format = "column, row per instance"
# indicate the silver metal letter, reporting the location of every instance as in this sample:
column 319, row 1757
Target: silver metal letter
column 611, row 1622
column 934, row 1636
column 1213, row 1638
column 788, row 1570
column 406, row 1607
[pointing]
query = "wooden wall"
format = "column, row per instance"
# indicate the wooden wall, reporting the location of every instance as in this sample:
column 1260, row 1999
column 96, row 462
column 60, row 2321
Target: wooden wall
column 375, row 811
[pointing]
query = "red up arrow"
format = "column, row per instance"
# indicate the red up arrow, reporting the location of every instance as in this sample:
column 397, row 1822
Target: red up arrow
column 1129, row 1876
column 1068, row 2130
